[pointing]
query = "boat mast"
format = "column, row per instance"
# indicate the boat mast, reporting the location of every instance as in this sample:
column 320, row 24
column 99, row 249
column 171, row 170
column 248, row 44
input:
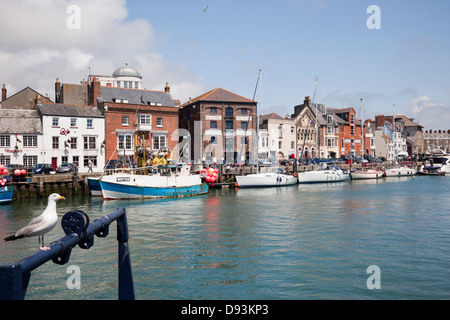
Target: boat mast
column 257, row 119
column 316, row 120
column 394, row 154
column 362, row 129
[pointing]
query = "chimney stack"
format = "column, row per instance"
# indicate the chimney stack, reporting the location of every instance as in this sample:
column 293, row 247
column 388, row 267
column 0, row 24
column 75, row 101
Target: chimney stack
column 38, row 100
column 95, row 91
column 58, row 91
column 307, row 101
column 4, row 92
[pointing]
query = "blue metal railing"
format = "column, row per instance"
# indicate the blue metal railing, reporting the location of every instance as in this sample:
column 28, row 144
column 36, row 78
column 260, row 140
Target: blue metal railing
column 14, row 278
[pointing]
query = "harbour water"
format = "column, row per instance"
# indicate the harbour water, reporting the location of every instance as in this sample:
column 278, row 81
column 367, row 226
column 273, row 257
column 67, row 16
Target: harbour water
column 292, row 243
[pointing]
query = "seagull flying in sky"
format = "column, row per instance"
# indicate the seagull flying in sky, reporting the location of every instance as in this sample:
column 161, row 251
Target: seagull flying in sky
column 39, row 226
column 206, row 8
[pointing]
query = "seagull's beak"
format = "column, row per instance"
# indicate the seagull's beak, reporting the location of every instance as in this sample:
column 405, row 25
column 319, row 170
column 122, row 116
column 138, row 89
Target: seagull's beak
column 62, row 198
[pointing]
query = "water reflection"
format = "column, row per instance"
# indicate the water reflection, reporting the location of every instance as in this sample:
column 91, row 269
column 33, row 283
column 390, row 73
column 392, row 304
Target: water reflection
column 296, row 242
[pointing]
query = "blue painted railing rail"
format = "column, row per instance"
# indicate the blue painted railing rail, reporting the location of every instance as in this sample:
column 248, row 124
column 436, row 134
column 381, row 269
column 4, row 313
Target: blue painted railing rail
column 14, row 278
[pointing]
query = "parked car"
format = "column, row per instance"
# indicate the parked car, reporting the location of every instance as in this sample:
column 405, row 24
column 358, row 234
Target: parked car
column 66, row 168
column 42, row 168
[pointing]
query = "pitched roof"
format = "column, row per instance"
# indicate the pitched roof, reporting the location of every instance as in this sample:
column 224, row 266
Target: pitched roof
column 64, row 110
column 24, row 90
column 272, row 116
column 20, row 121
column 337, row 110
column 220, row 95
column 137, row 96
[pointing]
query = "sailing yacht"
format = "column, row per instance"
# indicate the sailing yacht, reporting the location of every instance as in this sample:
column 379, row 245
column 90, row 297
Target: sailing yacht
column 276, row 178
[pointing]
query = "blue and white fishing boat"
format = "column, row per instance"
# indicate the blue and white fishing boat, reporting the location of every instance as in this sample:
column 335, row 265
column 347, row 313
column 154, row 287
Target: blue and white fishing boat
column 94, row 186
column 6, row 194
column 162, row 182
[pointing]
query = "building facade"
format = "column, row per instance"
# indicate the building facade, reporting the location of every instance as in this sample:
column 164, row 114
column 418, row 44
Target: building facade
column 219, row 126
column 435, row 140
column 307, row 130
column 277, row 137
column 72, row 134
column 21, row 138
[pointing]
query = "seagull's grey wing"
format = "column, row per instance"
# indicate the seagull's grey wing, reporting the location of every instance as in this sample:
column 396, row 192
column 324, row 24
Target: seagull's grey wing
column 30, row 227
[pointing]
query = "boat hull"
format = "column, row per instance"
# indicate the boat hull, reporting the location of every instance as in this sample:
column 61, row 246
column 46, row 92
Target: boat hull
column 322, row 176
column 261, row 180
column 126, row 186
column 366, row 175
column 6, row 194
column 400, row 172
column 94, row 186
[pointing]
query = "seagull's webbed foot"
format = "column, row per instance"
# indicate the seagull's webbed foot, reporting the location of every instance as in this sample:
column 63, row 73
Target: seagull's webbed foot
column 45, row 248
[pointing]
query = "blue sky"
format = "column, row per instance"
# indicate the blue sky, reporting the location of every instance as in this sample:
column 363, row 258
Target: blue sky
column 404, row 63
column 294, row 41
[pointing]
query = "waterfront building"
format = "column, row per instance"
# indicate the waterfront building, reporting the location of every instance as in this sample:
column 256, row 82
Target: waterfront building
column 408, row 138
column 350, row 133
column 306, row 129
column 133, row 117
column 330, row 126
column 277, row 137
column 369, row 138
column 72, row 134
column 21, row 137
column 412, row 132
column 221, row 127
column 435, row 140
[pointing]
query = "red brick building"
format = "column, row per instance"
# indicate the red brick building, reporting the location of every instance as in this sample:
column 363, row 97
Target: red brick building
column 133, row 117
column 349, row 132
column 136, row 118
column 220, row 126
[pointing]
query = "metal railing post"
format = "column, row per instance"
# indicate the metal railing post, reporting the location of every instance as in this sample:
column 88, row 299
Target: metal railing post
column 126, row 286
column 14, row 278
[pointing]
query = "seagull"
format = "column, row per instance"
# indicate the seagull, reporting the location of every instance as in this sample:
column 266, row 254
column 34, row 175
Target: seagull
column 206, row 8
column 40, row 225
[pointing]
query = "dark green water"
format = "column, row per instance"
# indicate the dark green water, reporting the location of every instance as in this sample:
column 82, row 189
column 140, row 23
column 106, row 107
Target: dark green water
column 298, row 242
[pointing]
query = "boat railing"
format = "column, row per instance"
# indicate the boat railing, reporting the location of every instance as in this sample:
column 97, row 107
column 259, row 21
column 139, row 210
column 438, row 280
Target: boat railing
column 14, row 278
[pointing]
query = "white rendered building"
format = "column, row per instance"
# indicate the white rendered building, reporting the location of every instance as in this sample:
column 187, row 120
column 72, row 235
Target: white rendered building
column 72, row 134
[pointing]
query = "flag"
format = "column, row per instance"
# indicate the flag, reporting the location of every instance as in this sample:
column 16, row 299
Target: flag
column 17, row 139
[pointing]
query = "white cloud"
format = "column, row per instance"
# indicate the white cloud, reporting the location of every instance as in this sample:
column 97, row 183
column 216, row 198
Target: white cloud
column 430, row 114
column 424, row 102
column 37, row 46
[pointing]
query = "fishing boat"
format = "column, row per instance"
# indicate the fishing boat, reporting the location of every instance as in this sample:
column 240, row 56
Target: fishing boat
column 6, row 194
column 331, row 174
column 6, row 191
column 94, row 186
column 276, row 178
column 366, row 174
column 160, row 182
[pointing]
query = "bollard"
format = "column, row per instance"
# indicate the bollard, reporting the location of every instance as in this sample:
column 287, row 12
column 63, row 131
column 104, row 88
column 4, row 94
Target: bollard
column 14, row 278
